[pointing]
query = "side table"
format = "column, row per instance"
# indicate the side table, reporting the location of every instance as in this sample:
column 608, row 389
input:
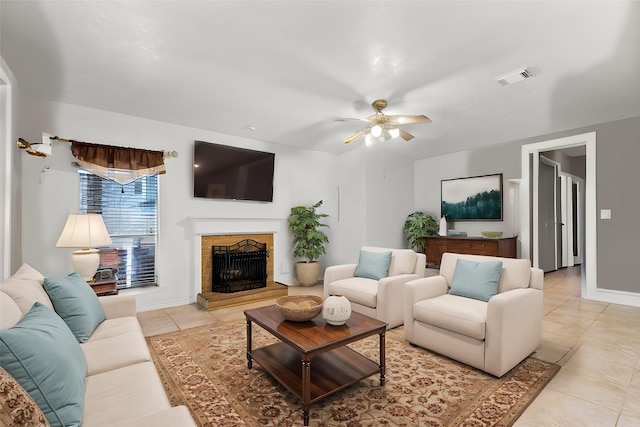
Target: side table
column 105, row 287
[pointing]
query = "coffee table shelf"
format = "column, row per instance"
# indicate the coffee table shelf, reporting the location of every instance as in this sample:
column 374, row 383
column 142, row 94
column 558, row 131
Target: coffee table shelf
column 312, row 359
column 330, row 372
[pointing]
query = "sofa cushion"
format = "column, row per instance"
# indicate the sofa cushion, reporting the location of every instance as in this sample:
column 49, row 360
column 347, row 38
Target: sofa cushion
column 115, row 352
column 44, row 357
column 17, row 408
column 25, row 287
column 10, row 313
column 115, row 327
column 172, row 417
column 373, row 265
column 124, row 394
column 465, row 316
column 478, row 280
column 77, row 304
column 356, row 289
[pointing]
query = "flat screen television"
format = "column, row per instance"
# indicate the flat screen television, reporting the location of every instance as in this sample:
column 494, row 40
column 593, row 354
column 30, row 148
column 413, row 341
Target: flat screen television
column 233, row 173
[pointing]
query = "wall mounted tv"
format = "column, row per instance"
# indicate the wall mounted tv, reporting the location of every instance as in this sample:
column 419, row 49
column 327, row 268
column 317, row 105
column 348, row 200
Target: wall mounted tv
column 225, row 172
column 472, row 198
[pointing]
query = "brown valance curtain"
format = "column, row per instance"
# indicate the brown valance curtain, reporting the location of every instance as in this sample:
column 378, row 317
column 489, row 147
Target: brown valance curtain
column 120, row 164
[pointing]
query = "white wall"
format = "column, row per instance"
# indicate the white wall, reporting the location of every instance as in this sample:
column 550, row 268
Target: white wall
column 389, row 196
column 50, row 190
column 9, row 168
column 376, row 195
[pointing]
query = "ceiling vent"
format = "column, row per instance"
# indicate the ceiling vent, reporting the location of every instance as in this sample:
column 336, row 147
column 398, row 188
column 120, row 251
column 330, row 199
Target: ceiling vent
column 513, row 77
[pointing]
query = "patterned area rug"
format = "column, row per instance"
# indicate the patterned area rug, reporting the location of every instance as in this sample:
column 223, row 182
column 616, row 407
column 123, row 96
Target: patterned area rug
column 205, row 368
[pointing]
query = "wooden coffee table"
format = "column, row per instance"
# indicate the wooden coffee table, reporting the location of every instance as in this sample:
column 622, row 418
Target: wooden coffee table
column 312, row 359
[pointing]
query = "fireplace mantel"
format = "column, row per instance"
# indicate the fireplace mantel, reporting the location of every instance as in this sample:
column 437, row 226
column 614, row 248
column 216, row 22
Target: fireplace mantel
column 216, row 226
column 224, row 226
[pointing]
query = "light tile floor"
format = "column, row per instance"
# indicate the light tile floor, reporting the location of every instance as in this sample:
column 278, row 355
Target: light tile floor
column 597, row 344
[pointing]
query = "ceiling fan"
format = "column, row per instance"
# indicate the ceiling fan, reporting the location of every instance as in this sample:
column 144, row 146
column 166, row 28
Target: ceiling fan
column 381, row 123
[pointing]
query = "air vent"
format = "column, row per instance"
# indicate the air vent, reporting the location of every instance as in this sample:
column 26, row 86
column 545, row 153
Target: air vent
column 513, row 77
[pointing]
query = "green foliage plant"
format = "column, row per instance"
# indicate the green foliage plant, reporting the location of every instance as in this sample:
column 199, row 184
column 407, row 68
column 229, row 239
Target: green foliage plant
column 309, row 241
column 417, row 226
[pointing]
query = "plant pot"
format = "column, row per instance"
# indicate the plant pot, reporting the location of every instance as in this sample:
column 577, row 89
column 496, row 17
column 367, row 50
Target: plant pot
column 307, row 273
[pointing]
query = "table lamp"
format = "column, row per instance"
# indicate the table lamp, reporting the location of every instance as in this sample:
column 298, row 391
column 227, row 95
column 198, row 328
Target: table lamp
column 85, row 231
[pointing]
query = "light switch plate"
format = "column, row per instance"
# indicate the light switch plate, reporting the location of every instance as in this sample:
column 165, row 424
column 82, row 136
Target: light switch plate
column 605, row 213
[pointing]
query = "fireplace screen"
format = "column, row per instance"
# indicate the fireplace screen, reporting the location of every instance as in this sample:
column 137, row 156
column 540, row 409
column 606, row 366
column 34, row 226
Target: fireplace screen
column 239, row 267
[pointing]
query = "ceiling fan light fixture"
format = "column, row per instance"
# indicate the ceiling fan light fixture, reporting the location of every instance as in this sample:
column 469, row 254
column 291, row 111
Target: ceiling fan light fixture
column 368, row 140
column 376, row 131
column 394, row 132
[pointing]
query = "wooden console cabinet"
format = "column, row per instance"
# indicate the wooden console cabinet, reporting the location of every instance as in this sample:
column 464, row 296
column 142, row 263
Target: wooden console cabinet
column 435, row 246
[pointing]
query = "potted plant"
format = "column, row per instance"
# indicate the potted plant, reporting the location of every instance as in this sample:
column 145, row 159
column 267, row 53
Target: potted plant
column 417, row 226
column 309, row 241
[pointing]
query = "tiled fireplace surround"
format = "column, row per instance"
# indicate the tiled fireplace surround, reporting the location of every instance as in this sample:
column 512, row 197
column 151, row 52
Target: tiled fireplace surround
column 206, row 231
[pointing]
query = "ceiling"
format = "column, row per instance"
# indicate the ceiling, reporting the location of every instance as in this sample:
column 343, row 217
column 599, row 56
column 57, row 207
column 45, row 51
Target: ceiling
column 290, row 68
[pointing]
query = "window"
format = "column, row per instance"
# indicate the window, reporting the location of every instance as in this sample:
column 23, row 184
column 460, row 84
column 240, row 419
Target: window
column 130, row 212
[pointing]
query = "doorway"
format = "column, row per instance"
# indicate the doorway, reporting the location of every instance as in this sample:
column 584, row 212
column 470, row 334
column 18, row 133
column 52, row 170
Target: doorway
column 529, row 204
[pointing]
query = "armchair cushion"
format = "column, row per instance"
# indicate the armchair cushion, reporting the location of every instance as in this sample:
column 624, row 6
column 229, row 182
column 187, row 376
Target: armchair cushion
column 403, row 261
column 373, row 265
column 477, row 280
column 357, row 289
column 465, row 316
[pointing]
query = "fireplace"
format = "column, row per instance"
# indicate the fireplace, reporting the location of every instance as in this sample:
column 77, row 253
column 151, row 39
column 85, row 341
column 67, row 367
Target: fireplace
column 209, row 232
column 239, row 267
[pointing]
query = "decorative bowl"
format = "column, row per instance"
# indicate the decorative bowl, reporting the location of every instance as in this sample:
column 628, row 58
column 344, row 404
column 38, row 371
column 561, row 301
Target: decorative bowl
column 299, row 308
column 491, row 234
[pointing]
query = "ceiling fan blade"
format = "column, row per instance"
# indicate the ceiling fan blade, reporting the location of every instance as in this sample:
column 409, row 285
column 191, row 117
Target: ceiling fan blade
column 355, row 136
column 405, row 135
column 402, row 119
column 352, row 137
column 347, row 119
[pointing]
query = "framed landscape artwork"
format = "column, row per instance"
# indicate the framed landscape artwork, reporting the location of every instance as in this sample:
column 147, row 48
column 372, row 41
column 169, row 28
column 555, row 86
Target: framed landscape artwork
column 475, row 198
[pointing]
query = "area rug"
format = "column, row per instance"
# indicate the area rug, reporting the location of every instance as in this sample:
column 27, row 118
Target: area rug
column 205, row 368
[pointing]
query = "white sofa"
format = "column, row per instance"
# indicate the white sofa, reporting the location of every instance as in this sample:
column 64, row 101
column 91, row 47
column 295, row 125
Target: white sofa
column 383, row 298
column 493, row 336
column 122, row 386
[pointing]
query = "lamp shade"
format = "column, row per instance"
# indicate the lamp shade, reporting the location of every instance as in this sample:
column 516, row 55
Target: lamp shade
column 84, row 231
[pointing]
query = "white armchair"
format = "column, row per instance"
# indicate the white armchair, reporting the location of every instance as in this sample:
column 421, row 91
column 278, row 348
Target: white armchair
column 383, row 298
column 493, row 336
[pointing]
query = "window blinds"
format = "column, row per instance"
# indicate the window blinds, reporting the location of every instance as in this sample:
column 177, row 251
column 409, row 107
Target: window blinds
column 130, row 213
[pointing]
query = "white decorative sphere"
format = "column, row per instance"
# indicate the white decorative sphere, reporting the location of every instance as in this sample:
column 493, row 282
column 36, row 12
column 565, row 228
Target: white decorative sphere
column 336, row 310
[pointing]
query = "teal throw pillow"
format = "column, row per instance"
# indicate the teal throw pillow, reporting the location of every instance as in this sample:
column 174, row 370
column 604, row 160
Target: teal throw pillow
column 477, row 280
column 77, row 304
column 44, row 357
column 373, row 265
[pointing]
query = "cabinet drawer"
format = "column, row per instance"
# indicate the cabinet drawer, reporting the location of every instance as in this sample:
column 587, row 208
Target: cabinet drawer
column 435, row 246
column 454, row 245
column 483, row 247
